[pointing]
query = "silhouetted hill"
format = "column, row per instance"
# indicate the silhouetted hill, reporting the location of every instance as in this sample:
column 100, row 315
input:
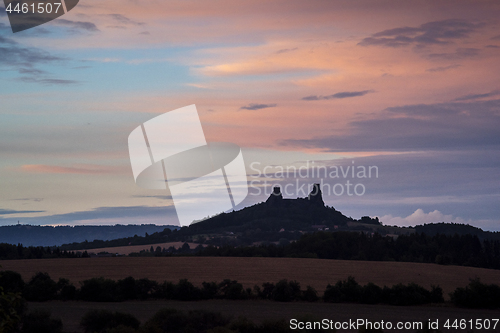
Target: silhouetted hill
column 276, row 213
column 31, row 235
column 271, row 221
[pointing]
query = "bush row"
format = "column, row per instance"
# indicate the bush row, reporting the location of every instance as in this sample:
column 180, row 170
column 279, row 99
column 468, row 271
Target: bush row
column 477, row 295
column 411, row 294
column 42, row 288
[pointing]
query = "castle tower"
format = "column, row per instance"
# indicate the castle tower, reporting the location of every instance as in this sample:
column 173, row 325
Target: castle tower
column 316, row 197
column 276, row 197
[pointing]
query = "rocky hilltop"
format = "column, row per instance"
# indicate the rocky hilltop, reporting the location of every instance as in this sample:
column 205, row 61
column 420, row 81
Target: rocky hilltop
column 278, row 213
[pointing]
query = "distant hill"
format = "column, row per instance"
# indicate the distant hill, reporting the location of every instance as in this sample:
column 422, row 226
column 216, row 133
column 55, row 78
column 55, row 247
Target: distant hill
column 31, row 235
column 432, row 229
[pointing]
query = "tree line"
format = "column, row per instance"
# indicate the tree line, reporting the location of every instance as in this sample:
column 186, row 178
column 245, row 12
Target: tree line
column 11, row 252
column 42, row 288
column 462, row 250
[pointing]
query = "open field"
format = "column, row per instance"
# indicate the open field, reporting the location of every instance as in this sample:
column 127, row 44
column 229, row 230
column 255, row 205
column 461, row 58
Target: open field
column 251, row 271
column 71, row 312
column 138, row 248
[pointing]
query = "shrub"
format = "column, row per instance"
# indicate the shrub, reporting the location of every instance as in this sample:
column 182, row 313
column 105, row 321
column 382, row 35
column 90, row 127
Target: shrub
column 11, row 282
column 166, row 290
column 477, row 295
column 130, row 288
column 41, row 322
column 267, row 290
column 99, row 290
column 126, row 289
column 310, row 294
column 285, row 291
column 145, row 288
column 331, row 294
column 232, row 290
column 343, row 291
column 436, row 295
column 371, row 294
column 100, row 321
column 186, row 291
column 67, row 291
column 41, row 288
column 412, row 294
column 12, row 307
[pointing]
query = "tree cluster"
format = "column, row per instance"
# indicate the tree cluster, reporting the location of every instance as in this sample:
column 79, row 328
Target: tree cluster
column 349, row 291
column 10, row 252
column 42, row 288
column 462, row 250
column 477, row 295
column 14, row 317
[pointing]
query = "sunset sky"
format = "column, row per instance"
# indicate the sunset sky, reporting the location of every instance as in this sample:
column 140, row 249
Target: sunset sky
column 412, row 88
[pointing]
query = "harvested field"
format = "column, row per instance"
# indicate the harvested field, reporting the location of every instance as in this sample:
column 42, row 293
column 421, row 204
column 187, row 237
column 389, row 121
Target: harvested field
column 251, row 271
column 138, row 248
